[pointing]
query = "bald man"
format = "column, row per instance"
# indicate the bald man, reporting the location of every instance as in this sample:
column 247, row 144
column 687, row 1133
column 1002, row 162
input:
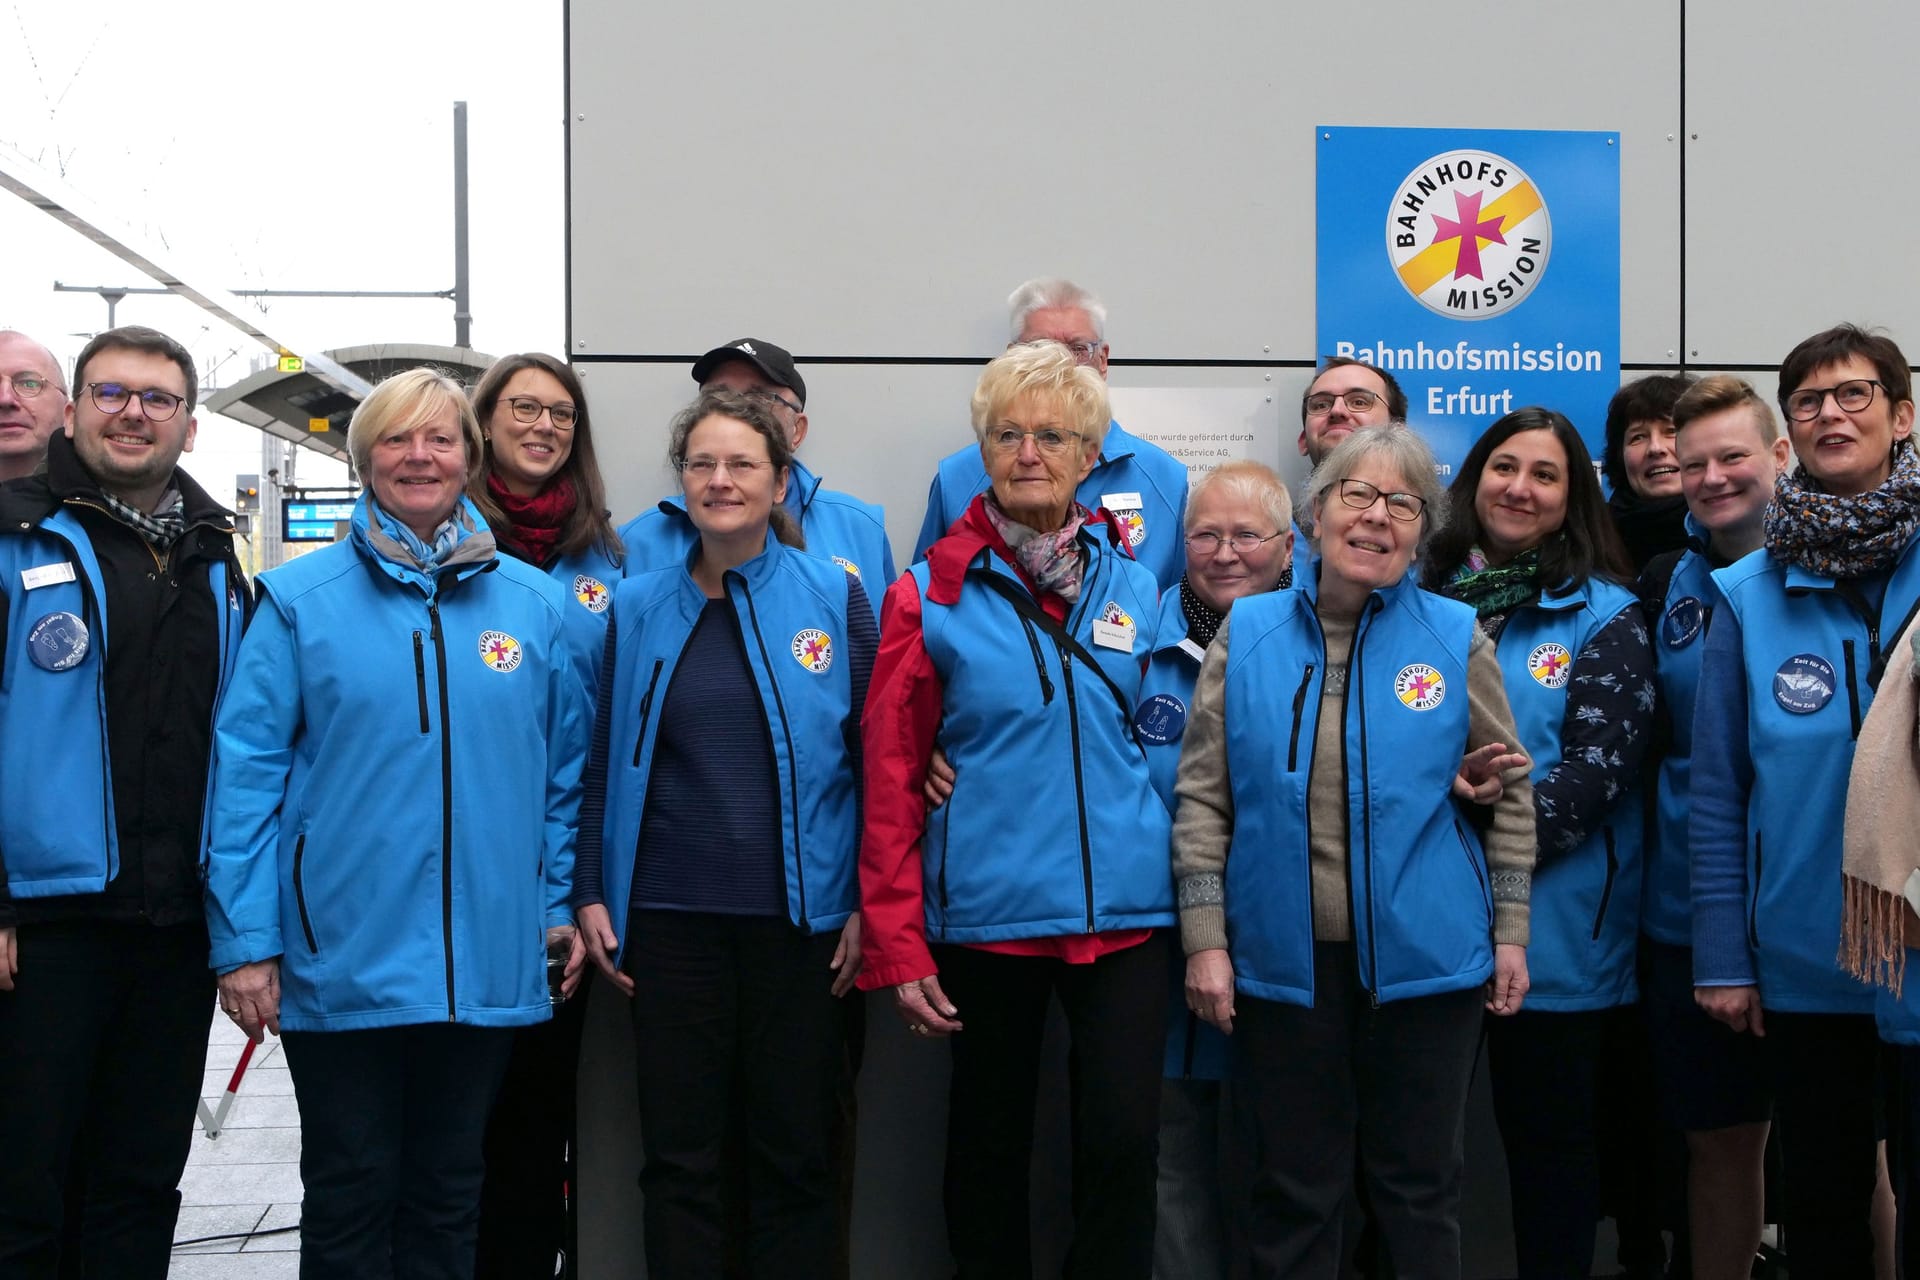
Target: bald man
column 33, row 401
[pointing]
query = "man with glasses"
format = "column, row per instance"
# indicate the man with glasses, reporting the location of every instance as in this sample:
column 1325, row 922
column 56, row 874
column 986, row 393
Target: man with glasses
column 121, row 608
column 33, row 400
column 1141, row 483
column 837, row 525
column 1345, row 396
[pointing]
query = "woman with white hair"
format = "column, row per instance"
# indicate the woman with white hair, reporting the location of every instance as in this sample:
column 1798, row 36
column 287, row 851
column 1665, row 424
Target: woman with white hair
column 397, row 946
column 1345, row 912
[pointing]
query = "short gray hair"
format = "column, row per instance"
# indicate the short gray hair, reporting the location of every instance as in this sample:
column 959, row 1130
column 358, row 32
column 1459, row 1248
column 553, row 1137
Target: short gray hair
column 1250, row 481
column 1405, row 452
column 1049, row 292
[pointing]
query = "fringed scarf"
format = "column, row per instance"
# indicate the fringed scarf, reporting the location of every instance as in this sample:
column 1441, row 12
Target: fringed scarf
column 1883, row 812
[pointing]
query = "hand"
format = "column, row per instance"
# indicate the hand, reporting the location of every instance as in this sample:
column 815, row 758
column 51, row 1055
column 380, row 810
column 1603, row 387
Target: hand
column 564, row 937
column 602, row 944
column 1507, row 988
column 9, row 958
column 250, row 995
column 940, row 776
column 1482, row 776
column 846, row 956
column 924, row 1007
column 1738, row 1007
column 1210, row 987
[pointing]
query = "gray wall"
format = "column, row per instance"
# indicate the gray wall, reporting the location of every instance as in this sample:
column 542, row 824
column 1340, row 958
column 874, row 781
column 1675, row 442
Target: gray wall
column 864, row 183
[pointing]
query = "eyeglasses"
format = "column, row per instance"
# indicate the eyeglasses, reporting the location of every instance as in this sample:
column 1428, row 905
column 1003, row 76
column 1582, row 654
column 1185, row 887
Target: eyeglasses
column 1083, row 352
column 768, row 393
column 1404, row 507
column 703, row 467
column 112, row 397
column 1049, row 440
column 1320, row 404
column 1853, row 395
column 27, row 386
column 1244, row 542
column 527, row 409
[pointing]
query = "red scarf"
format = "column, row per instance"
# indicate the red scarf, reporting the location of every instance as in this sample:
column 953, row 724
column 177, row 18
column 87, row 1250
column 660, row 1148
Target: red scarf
column 535, row 523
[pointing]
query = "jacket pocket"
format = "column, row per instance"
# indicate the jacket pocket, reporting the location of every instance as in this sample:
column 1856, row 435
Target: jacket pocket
column 1299, row 710
column 420, row 677
column 1606, row 887
column 300, row 893
column 646, row 710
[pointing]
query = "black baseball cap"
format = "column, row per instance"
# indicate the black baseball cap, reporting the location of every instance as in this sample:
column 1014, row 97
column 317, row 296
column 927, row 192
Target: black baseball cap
column 775, row 362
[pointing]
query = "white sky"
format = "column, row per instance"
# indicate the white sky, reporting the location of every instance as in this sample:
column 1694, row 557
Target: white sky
column 295, row 147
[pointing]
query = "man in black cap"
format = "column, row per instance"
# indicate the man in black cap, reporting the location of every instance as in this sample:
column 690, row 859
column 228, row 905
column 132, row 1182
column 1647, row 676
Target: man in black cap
column 121, row 608
column 838, row 525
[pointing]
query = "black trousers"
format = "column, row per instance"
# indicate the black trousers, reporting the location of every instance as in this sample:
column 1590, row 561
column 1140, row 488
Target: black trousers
column 1903, row 1150
column 1825, row 1072
column 1544, row 1068
column 1116, row 1011
column 107, row 1024
column 1318, row 1086
column 737, row 1010
column 390, row 1127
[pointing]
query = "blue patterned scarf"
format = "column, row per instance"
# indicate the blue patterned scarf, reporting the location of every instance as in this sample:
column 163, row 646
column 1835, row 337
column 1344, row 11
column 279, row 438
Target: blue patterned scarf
column 1838, row 537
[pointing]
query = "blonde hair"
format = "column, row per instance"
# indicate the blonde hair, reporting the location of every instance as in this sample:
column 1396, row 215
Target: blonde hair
column 1043, row 369
column 1724, row 391
column 404, row 401
column 1249, row 481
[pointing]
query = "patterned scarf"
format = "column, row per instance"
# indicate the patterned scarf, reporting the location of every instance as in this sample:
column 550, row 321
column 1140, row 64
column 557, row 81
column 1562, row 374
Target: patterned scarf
column 536, row 523
column 1493, row 590
column 425, row 558
column 1053, row 560
column 1203, row 621
column 1839, row 537
column 162, row 527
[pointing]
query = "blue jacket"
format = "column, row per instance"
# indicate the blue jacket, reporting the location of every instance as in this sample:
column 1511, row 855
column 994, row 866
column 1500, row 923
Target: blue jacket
column 589, row 577
column 57, row 833
column 1422, row 906
column 1136, row 480
column 1768, row 807
column 1678, row 622
column 1585, row 906
column 838, row 527
column 396, row 785
column 1022, row 718
column 793, row 611
column 1195, row 1051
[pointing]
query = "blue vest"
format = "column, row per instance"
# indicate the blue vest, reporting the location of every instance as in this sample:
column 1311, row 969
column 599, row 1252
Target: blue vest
column 1586, row 903
column 57, row 828
column 1053, row 826
column 1808, row 652
column 1678, row 636
column 396, row 787
column 1419, row 892
column 792, row 613
column 838, row 527
column 589, row 577
column 1138, row 481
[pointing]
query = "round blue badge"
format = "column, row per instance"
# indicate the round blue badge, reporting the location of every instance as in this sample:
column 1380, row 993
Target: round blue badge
column 1804, row 683
column 1160, row 719
column 1683, row 622
column 58, row 642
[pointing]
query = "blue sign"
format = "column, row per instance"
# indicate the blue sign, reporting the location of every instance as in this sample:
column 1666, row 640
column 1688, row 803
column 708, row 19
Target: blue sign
column 1480, row 267
column 313, row 521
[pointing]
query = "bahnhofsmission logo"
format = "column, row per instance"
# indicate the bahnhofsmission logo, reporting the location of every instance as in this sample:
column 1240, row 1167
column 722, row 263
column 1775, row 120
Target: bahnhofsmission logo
column 1468, row 234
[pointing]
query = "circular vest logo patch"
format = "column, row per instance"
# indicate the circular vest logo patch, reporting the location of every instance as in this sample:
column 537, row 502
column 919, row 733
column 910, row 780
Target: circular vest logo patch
column 1136, row 525
column 1804, row 683
column 1160, row 719
column 1682, row 622
column 499, row 650
column 58, row 642
column 813, row 650
column 1468, row 234
column 1551, row 665
column 1419, row 686
column 848, row 565
column 1116, row 615
column 592, row 593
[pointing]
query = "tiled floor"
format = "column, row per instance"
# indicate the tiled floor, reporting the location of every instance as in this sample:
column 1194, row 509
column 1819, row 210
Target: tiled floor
column 243, row 1187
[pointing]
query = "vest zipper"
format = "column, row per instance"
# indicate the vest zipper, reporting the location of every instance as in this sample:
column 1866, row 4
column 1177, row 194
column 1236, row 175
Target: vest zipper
column 420, row 678
column 1366, row 813
column 446, row 801
column 646, row 710
column 1299, row 710
column 1853, row 689
column 1606, row 887
column 1039, row 662
column 1753, row 905
column 1079, row 780
column 300, row 894
column 793, row 760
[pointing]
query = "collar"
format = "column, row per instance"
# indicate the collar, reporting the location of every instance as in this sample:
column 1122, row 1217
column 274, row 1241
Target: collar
column 755, row 573
column 949, row 559
column 1119, row 445
column 66, row 477
column 477, row 551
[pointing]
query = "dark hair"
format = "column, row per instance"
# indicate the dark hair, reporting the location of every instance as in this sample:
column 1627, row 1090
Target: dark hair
column 1841, row 343
column 1396, row 398
column 1646, row 399
column 137, row 337
column 720, row 402
column 590, row 524
column 1586, row 545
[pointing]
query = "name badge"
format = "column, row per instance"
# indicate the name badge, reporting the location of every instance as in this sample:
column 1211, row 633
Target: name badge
column 1194, row 651
column 1112, row 635
column 1120, row 501
column 46, row 575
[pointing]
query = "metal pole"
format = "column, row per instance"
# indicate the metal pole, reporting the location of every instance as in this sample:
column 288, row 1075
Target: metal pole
column 462, row 316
